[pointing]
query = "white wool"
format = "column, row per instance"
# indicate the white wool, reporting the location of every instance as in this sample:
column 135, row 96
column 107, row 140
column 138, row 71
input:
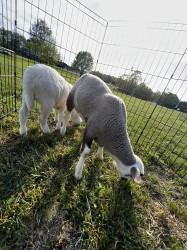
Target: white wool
column 45, row 85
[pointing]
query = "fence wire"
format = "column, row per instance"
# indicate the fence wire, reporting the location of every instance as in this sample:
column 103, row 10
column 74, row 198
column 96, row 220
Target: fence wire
column 143, row 63
column 159, row 52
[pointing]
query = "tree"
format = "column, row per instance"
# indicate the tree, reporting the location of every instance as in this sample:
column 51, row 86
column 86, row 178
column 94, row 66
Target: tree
column 169, row 100
column 39, row 31
column 104, row 77
column 135, row 76
column 129, row 82
column 143, row 92
column 42, row 43
column 11, row 40
column 156, row 96
column 6, row 38
column 43, row 51
column 182, row 106
column 83, row 62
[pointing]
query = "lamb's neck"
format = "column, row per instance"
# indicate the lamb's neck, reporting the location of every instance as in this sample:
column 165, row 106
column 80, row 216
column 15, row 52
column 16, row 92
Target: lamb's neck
column 125, row 152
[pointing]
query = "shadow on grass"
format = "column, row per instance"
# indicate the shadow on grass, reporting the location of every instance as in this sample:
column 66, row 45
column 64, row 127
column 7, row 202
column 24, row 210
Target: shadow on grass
column 25, row 171
column 109, row 220
column 19, row 157
column 44, row 207
column 99, row 210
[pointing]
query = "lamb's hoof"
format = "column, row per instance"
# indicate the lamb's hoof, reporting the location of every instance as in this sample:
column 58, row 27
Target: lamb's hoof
column 23, row 135
column 100, row 158
column 78, row 176
column 63, row 131
column 58, row 127
column 23, row 132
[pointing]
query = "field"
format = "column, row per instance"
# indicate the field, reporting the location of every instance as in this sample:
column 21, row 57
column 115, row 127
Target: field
column 43, row 207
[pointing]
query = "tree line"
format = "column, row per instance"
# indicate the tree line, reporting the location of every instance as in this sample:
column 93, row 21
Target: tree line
column 41, row 47
column 133, row 85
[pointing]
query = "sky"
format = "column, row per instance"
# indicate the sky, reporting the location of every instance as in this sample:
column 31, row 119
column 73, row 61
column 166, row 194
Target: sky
column 140, row 12
column 147, row 10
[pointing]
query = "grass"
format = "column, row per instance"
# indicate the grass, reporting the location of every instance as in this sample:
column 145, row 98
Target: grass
column 43, row 207
column 164, row 132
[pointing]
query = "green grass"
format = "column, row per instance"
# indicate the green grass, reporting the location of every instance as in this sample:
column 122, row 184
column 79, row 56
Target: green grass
column 164, row 132
column 43, row 207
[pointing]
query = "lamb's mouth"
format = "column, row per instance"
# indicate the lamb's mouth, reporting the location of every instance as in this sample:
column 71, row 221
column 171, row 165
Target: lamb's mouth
column 126, row 177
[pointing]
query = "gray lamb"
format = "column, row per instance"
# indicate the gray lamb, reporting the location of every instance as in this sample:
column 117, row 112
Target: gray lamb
column 106, row 123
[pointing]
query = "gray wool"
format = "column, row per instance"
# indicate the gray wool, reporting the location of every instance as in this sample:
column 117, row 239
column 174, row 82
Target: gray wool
column 105, row 116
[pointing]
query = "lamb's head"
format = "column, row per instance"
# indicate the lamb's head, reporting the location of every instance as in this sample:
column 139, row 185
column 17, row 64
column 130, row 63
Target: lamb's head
column 134, row 171
column 75, row 118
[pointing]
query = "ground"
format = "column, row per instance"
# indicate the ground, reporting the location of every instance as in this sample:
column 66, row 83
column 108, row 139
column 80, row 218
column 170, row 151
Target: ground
column 44, row 207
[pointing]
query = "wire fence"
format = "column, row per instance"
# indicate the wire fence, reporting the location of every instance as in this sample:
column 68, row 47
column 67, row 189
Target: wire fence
column 143, row 63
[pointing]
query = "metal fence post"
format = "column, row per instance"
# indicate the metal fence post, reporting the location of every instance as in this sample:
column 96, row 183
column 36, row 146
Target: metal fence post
column 15, row 47
column 101, row 46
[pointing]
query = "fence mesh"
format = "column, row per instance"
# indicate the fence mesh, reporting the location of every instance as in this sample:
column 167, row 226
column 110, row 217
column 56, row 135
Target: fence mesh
column 7, row 59
column 143, row 63
column 157, row 54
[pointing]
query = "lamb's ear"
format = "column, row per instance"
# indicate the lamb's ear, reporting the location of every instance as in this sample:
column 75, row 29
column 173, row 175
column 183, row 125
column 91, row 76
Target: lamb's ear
column 135, row 172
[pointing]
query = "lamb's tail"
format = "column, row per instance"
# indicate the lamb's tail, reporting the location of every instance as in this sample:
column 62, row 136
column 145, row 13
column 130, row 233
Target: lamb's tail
column 29, row 99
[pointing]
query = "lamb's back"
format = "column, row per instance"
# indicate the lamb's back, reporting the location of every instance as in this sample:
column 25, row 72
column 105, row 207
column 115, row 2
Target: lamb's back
column 45, row 82
column 108, row 125
column 88, row 90
column 104, row 112
column 109, row 116
column 105, row 115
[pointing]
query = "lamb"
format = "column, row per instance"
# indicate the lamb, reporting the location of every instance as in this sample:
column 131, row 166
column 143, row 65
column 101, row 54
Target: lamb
column 106, row 123
column 50, row 90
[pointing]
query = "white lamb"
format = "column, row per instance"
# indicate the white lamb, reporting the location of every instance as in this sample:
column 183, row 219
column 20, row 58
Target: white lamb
column 50, row 90
column 106, row 123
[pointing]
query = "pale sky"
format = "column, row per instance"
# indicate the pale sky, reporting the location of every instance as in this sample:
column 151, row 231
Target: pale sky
column 140, row 12
column 149, row 10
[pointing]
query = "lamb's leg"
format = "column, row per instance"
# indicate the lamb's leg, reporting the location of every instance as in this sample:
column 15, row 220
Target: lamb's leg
column 55, row 115
column 65, row 122
column 43, row 119
column 59, row 121
column 85, row 149
column 79, row 167
column 100, row 153
column 23, row 114
column 70, row 107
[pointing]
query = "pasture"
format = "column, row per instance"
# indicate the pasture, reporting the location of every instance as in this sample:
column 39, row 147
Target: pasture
column 43, row 207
